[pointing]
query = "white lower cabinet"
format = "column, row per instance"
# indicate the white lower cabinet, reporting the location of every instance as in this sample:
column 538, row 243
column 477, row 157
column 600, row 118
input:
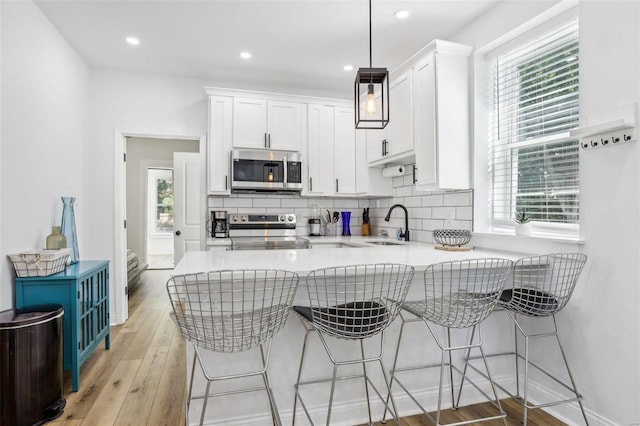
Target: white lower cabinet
column 441, row 120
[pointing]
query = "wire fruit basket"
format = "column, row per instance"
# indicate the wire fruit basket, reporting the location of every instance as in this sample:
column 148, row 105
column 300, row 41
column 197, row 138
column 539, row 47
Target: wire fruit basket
column 40, row 263
column 452, row 239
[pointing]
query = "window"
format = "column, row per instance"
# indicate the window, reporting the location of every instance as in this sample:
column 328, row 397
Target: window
column 533, row 162
column 160, row 198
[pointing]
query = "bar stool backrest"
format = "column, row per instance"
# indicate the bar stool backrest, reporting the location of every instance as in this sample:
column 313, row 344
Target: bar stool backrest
column 460, row 294
column 357, row 301
column 542, row 285
column 231, row 311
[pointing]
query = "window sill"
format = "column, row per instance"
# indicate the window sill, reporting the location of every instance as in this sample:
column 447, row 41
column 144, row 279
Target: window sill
column 534, row 243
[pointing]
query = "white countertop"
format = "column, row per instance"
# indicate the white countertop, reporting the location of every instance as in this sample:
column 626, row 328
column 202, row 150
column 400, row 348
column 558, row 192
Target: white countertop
column 303, row 261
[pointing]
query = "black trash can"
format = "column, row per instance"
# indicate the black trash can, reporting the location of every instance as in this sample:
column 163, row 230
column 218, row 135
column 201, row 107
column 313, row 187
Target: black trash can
column 31, row 390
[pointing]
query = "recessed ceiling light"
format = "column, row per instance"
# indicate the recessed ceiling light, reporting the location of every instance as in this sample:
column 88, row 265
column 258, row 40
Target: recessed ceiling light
column 133, row 41
column 401, row 14
column 245, row 55
column 348, row 67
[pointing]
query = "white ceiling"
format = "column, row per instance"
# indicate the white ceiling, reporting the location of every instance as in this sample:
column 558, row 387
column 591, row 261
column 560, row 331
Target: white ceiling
column 297, row 44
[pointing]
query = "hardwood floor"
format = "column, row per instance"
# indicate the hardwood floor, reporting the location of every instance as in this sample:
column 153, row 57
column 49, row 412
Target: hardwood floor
column 141, row 379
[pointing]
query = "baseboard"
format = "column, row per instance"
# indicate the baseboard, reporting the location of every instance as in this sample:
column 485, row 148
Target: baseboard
column 348, row 413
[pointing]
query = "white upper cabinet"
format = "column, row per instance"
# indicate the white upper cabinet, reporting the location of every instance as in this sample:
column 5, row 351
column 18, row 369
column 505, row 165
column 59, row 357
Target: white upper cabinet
column 219, row 144
column 441, row 106
column 394, row 142
column 344, row 151
column 320, row 150
column 261, row 123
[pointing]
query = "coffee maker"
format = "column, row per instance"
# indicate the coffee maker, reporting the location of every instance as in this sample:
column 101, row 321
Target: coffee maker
column 220, row 226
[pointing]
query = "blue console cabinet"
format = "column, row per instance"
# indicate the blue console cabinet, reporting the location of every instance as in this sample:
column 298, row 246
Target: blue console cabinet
column 83, row 291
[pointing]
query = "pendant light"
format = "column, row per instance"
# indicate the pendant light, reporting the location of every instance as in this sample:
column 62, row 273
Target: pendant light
column 371, row 93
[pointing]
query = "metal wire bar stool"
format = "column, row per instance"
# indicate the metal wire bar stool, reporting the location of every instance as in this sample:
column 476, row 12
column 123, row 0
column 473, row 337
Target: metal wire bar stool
column 460, row 295
column 542, row 286
column 232, row 311
column 354, row 303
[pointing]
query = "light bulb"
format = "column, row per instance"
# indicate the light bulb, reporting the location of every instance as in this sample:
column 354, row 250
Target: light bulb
column 270, row 175
column 371, row 101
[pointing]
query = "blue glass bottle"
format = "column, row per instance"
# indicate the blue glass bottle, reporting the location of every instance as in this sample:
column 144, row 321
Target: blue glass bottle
column 69, row 227
column 346, row 222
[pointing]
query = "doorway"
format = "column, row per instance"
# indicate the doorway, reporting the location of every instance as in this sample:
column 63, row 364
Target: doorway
column 149, row 198
column 160, row 218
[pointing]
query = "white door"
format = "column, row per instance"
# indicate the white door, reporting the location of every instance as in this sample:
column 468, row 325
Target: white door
column 186, row 200
column 284, row 120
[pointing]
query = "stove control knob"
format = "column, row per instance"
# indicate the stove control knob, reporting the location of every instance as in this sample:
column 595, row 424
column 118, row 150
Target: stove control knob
column 245, row 218
column 291, row 218
column 281, row 219
column 233, row 218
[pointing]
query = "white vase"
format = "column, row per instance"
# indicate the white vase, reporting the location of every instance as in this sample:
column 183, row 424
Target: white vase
column 523, row 229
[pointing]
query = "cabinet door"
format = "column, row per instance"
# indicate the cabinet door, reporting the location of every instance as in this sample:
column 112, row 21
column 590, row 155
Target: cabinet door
column 374, row 140
column 400, row 127
column 345, row 151
column 320, row 150
column 219, row 144
column 284, row 120
column 249, row 123
column 425, row 129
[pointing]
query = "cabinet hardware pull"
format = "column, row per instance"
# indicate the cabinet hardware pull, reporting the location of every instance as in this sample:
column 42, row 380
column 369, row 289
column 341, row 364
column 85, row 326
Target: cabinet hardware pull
column 226, row 182
column 265, row 141
column 414, row 173
column 337, row 186
column 269, row 139
column 310, row 184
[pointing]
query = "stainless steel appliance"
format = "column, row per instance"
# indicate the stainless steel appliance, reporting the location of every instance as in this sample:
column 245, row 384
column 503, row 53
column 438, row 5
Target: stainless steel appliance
column 314, row 227
column 220, row 225
column 265, row 170
column 250, row 231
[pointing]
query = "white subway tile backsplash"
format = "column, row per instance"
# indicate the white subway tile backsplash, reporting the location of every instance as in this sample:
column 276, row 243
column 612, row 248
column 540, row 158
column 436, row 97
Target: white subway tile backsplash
column 464, row 213
column 403, row 191
column 457, row 198
column 412, row 202
column 427, row 211
column 238, row 202
column 266, row 202
column 433, row 200
column 294, row 202
column 431, row 224
column 443, row 212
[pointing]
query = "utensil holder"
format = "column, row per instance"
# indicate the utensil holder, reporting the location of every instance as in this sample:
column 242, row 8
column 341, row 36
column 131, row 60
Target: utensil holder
column 331, row 229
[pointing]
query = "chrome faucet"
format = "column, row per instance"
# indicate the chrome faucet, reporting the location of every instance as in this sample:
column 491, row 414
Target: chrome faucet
column 404, row 234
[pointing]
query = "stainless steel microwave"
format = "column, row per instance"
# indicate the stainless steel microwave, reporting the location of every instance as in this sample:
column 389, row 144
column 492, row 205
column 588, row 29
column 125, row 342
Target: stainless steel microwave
column 266, row 170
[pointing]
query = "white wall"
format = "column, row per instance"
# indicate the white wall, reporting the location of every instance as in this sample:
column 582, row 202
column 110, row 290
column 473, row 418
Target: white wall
column 599, row 327
column 45, row 89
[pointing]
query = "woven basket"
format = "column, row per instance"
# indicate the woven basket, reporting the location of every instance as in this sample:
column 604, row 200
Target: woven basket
column 452, row 237
column 40, row 263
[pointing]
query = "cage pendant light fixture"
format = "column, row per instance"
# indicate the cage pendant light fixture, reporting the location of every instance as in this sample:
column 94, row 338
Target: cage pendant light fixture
column 371, row 93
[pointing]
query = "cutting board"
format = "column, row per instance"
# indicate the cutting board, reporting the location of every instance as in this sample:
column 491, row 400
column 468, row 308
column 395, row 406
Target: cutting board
column 452, row 248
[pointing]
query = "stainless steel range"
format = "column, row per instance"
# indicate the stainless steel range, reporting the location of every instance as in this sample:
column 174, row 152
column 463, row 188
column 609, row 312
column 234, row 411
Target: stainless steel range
column 250, row 231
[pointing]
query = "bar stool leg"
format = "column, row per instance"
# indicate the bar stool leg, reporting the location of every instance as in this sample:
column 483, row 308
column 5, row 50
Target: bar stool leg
column 297, row 390
column 366, row 384
column 526, row 381
column 193, row 370
column 333, row 387
column 393, row 369
column 453, row 401
column 515, row 351
column 272, row 402
column 389, row 395
column 573, row 383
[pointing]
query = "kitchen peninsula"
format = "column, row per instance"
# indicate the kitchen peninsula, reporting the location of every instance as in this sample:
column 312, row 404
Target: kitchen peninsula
column 287, row 344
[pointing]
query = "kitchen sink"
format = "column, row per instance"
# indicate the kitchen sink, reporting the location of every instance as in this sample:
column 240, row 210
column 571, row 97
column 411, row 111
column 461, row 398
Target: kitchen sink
column 385, row 243
column 334, row 245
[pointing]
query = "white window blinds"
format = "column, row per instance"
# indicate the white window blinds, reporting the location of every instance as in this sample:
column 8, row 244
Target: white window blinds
column 533, row 161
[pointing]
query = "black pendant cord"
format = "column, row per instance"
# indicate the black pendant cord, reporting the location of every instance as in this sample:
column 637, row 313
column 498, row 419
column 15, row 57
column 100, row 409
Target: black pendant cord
column 370, row 44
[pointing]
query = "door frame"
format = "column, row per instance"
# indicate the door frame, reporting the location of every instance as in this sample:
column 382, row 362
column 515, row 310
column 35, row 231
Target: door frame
column 119, row 308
